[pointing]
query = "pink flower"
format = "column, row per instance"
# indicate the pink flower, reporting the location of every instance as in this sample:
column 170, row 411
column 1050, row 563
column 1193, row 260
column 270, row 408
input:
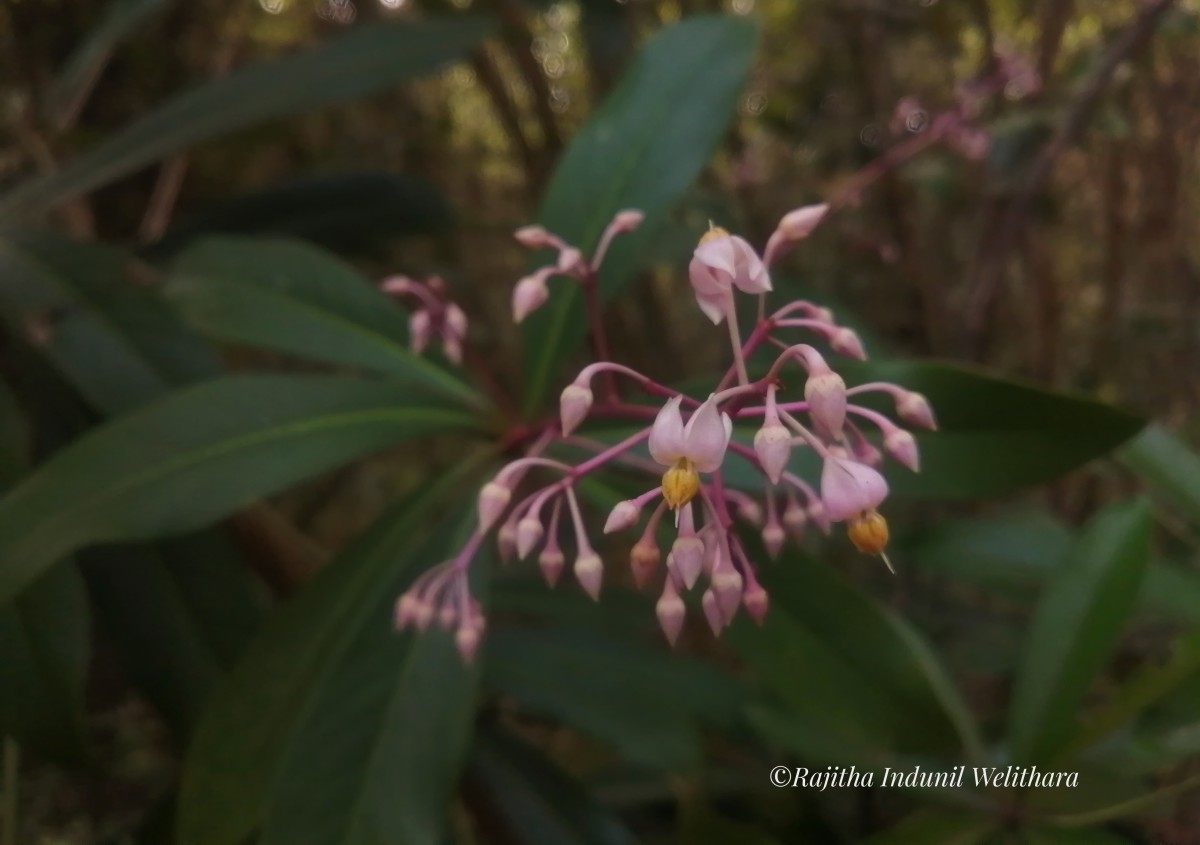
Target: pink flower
column 701, row 442
column 849, row 488
column 720, row 263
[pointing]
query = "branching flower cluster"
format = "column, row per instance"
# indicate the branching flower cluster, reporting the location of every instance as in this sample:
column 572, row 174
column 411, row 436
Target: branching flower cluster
column 689, row 440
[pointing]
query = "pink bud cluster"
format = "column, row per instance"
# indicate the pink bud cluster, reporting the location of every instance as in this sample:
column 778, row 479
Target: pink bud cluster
column 435, row 316
column 688, row 442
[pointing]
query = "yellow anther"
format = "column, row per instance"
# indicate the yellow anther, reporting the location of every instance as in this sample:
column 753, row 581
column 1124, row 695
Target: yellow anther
column 869, row 532
column 680, row 483
column 713, row 233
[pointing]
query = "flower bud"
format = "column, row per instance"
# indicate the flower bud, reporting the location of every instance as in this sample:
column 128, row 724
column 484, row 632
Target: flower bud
column 493, row 499
column 456, row 321
column 800, row 223
column 506, row 541
column 866, row 453
column 534, row 237
column 846, row 342
column 405, row 614
column 849, row 488
column 573, row 406
column 467, row 638
column 903, row 447
column 712, row 611
column 589, row 571
column 826, row 396
column 420, row 330
column 749, row 510
column 551, row 562
column 624, row 515
column 794, row 518
column 670, row 612
column 914, row 409
column 529, row 534
column 727, row 584
column 529, row 295
column 687, row 555
column 773, row 445
column 627, row 220
column 756, row 602
column 773, row 538
column 644, row 558
column 570, row 261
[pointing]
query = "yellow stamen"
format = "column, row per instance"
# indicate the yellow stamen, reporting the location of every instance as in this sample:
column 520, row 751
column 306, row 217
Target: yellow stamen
column 680, row 483
column 713, row 233
column 869, row 533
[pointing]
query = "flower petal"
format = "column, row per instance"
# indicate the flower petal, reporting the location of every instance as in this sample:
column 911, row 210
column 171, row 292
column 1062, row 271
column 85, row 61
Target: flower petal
column 706, row 436
column 666, row 435
column 848, row 488
column 750, row 274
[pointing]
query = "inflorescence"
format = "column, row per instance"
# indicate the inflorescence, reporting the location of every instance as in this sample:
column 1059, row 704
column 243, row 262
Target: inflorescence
column 688, row 440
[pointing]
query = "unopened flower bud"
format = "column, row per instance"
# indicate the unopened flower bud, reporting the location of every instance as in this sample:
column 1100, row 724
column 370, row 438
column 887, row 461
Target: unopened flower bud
column 749, row 510
column 712, row 611
column 866, row 453
column 800, row 223
column 826, row 396
column 773, row 538
column 794, row 518
column 589, row 571
column 687, row 556
column 727, row 584
column 644, row 558
column 506, row 541
column 627, row 220
column 756, row 602
column 534, row 237
column 551, row 562
column 467, row 638
column 420, row 330
column 570, row 261
column 819, row 516
column 670, row 612
column 573, row 406
column 903, row 447
column 493, row 499
column 529, row 295
column 406, row 611
column 914, row 409
column 624, row 515
column 846, row 342
column 456, row 321
column 529, row 534
column 773, row 445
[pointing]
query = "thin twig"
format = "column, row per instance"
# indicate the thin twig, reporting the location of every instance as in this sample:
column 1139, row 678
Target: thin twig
column 984, row 287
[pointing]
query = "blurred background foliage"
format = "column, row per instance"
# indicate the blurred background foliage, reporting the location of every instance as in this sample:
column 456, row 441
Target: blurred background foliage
column 222, row 464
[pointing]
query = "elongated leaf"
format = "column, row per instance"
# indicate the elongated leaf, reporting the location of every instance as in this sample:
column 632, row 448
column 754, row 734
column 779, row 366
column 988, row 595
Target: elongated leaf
column 80, row 71
column 365, row 61
column 320, row 308
column 1075, row 627
column 197, row 455
column 995, row 436
column 564, row 674
column 641, row 149
column 116, row 343
column 15, row 438
column 532, row 799
column 925, row 712
column 342, row 211
column 393, row 718
column 255, row 717
column 1168, row 467
column 45, row 645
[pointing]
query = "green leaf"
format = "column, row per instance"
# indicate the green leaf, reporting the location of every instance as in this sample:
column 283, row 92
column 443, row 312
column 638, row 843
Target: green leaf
column 15, row 437
column 641, row 149
column 1075, row 627
column 1169, row 467
column 254, row 717
column 199, row 454
column 343, row 211
column 532, row 799
column 994, row 436
column 567, row 674
column 813, row 607
column 1060, row 836
column 365, row 61
column 115, row 342
column 320, row 309
column 701, row 824
column 79, row 73
column 45, row 647
column 393, row 719
column 936, row 827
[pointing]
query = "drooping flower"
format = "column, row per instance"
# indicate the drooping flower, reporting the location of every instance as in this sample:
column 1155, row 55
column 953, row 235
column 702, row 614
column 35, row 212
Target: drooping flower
column 720, row 263
column 849, row 488
column 688, row 450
